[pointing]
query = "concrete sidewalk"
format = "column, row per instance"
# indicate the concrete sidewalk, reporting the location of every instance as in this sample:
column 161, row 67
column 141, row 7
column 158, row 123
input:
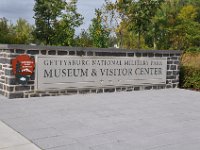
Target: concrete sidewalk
column 144, row 120
column 11, row 140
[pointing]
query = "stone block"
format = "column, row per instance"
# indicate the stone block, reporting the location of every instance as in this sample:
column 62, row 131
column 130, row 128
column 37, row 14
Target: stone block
column 175, row 73
column 20, row 51
column 138, row 54
column 22, row 88
column 109, row 54
column 2, row 92
column 148, row 87
column 175, row 81
column 33, row 52
column 62, row 52
column 129, row 89
column 9, row 50
column 32, row 77
column 171, row 77
column 136, row 88
column 10, row 88
column 109, row 90
column 131, row 54
column 43, row 95
column 144, row 54
column 9, row 72
column 1, row 86
column 72, row 53
column 93, row 91
column 123, row 88
column 169, row 86
column 175, row 85
column 80, row 53
column 173, row 67
column 169, row 62
column 32, row 87
column 158, row 55
column 155, row 87
column 168, row 67
column 5, row 61
column 166, row 55
column 34, row 95
column 84, row 91
column 53, row 92
column 63, row 92
column 99, row 90
column 1, row 66
column 90, row 53
column 72, row 91
column 168, row 81
column 150, row 54
column 31, row 82
column 174, row 58
column 52, row 52
column 169, row 73
column 176, row 62
column 118, row 89
column 43, row 52
column 15, row 95
column 161, row 87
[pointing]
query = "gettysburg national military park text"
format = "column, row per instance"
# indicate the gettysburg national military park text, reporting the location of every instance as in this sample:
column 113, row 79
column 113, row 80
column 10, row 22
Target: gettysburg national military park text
column 98, row 71
column 83, row 71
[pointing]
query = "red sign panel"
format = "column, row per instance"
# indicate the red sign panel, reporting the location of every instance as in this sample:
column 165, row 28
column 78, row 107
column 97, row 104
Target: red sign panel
column 23, row 65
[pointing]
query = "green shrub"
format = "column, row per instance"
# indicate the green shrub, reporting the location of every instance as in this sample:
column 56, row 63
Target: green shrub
column 190, row 77
column 193, row 49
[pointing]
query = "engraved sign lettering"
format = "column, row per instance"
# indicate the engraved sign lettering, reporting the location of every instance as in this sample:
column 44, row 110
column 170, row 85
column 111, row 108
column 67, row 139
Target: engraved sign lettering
column 58, row 72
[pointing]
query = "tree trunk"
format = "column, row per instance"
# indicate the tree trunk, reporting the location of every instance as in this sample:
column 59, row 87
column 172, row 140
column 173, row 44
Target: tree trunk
column 139, row 37
column 154, row 43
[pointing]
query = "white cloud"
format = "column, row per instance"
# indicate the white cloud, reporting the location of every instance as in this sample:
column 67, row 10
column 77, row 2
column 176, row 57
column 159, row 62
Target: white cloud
column 14, row 9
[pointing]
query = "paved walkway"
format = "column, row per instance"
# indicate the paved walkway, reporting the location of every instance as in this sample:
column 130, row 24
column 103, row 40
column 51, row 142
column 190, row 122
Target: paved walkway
column 11, row 140
column 142, row 120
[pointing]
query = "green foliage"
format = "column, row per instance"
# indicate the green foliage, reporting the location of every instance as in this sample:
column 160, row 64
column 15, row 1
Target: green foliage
column 190, row 77
column 193, row 49
column 5, row 31
column 173, row 24
column 84, row 39
column 56, row 21
column 46, row 15
column 147, row 24
column 65, row 28
column 20, row 33
column 23, row 32
column 98, row 31
column 190, row 70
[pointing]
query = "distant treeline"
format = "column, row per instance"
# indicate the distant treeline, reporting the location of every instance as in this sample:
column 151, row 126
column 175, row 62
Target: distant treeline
column 142, row 24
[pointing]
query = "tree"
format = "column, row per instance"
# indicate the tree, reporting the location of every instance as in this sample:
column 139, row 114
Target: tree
column 47, row 14
column 98, row 31
column 23, row 32
column 5, row 31
column 187, row 30
column 65, row 28
column 140, row 14
column 84, row 39
column 135, row 16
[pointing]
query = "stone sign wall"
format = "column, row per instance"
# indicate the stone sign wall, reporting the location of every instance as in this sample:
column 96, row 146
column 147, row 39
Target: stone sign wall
column 65, row 70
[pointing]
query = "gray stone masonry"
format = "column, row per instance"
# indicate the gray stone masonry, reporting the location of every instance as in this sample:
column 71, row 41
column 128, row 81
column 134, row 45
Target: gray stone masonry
column 10, row 89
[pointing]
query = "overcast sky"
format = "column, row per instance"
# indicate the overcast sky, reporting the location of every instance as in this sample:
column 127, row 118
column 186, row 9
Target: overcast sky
column 14, row 9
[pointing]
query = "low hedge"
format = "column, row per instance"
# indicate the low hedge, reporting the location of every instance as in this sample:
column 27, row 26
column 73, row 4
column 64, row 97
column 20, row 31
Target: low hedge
column 190, row 77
